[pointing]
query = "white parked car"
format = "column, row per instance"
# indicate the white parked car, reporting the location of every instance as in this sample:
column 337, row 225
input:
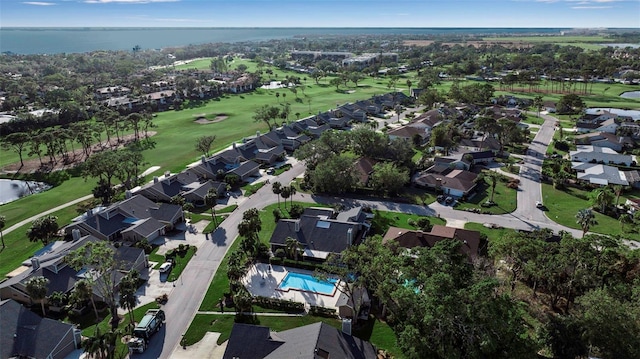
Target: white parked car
column 165, row 267
column 539, row 204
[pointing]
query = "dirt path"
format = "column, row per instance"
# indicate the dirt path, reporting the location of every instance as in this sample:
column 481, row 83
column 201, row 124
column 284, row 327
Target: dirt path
column 74, row 157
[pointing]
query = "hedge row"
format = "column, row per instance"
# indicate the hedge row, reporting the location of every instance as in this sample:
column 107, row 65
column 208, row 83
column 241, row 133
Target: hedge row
column 279, row 304
column 323, row 312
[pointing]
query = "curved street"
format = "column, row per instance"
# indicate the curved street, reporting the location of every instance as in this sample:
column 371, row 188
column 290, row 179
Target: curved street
column 195, row 279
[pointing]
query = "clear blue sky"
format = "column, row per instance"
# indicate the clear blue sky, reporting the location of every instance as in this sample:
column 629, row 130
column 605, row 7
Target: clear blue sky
column 320, row 13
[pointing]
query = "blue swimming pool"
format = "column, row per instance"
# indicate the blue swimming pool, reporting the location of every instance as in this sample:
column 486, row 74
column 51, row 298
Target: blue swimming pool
column 306, row 283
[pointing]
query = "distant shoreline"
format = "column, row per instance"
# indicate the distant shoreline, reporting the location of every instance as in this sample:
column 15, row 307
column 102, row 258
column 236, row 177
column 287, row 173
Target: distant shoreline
column 56, row 40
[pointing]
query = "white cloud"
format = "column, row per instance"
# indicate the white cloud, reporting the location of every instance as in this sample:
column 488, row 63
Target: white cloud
column 39, row 3
column 126, row 1
column 590, row 7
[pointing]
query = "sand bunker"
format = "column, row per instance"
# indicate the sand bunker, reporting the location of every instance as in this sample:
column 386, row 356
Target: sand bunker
column 201, row 119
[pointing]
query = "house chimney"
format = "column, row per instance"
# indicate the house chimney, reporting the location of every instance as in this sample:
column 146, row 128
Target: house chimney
column 346, row 326
column 257, row 133
column 203, row 159
column 297, row 226
column 127, row 194
column 167, row 173
column 75, row 234
column 214, row 161
column 155, row 179
column 235, row 146
column 35, row 263
column 350, row 236
column 89, row 213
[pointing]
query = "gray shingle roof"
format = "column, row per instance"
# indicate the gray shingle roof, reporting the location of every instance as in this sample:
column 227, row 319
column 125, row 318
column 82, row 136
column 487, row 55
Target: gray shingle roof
column 311, row 341
column 25, row 334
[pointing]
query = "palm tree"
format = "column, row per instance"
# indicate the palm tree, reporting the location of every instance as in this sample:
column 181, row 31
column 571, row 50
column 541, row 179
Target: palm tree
column 276, row 187
column 97, row 345
column 602, row 197
column 585, row 218
column 211, row 200
column 83, row 291
column 493, row 178
column 618, row 189
column 292, row 192
column 36, row 287
column 285, row 192
column 3, row 222
column 128, row 288
column 292, row 247
column 625, row 218
column 537, row 103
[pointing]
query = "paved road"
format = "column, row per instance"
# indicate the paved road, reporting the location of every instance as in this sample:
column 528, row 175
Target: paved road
column 195, row 279
column 190, row 289
column 33, row 218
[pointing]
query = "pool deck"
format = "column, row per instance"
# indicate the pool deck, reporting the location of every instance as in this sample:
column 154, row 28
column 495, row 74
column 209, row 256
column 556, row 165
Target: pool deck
column 259, row 281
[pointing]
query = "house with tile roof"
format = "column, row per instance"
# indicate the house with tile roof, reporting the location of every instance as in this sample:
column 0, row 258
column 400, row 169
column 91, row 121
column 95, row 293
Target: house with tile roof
column 313, row 341
column 453, row 182
column 25, row 334
column 472, row 243
column 604, row 139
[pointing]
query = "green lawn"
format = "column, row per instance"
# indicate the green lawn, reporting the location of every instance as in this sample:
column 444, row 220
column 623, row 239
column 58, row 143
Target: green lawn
column 504, row 197
column 383, row 220
column 19, row 248
column 181, row 262
column 563, row 205
column 491, row 233
column 250, row 189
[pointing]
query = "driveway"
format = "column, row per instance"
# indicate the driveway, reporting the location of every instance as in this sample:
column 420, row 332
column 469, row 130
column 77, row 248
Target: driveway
column 186, row 297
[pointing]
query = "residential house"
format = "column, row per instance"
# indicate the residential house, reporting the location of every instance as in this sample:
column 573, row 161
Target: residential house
column 321, row 231
column 51, row 265
column 472, row 244
column 289, row 137
column 453, row 162
column 132, row 219
column 604, row 139
column 246, row 169
column 482, row 157
column 453, row 182
column 483, row 143
column 602, row 123
column 600, row 155
column 25, row 334
column 317, row 340
column 633, row 177
column 549, row 106
column 599, row 174
column 104, row 93
column 364, row 169
column 409, row 133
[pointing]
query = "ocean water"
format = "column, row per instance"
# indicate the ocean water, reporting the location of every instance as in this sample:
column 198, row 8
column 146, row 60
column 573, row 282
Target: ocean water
column 74, row 40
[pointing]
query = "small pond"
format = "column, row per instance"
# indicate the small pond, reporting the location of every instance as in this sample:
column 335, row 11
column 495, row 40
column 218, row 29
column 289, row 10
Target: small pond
column 10, row 190
column 631, row 94
column 634, row 114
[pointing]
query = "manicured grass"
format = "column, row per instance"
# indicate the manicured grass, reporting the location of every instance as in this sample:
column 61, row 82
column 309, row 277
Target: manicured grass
column 563, row 205
column 383, row 220
column 181, row 262
column 213, row 225
column 504, row 197
column 491, row 233
column 250, row 189
column 550, row 39
column 19, row 248
column 219, row 284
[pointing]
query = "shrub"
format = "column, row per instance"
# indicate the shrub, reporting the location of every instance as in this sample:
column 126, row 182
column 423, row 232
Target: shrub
column 296, row 211
column 323, row 312
column 277, row 214
column 279, row 304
